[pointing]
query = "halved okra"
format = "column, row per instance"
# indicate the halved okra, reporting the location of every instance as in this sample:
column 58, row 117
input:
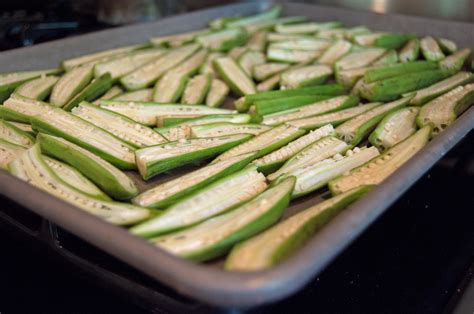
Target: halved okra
column 217, row 93
column 379, row 168
column 234, row 76
column 448, row 46
column 217, row 235
column 121, row 66
column 70, row 84
column 306, row 28
column 196, row 89
column 129, row 131
column 145, row 95
column 236, row 52
column 110, row 179
column 157, row 159
column 390, row 57
column 292, row 55
column 270, row 24
column 394, row 128
column 147, row 112
column 26, row 127
column 276, row 37
column 269, row 15
column 410, row 51
column 257, row 41
column 455, row 61
column 20, row 109
column 264, row 143
column 282, row 240
column 113, row 92
column 221, row 129
column 177, row 40
column 335, row 52
column 381, row 73
column 9, row 152
column 302, row 44
column 305, row 76
column 332, row 33
column 207, row 66
column 31, row 167
column 424, row 95
column 269, row 84
column 442, row 111
column 91, row 92
column 269, row 106
column 317, row 175
column 316, row 108
column 223, row 40
column 12, row 134
column 355, row 129
column 57, row 122
column 274, row 160
column 10, row 81
column 150, row 72
column 169, row 192
column 383, row 40
column 174, row 133
column 39, row 88
column 212, row 200
column 249, row 59
column 266, row 70
column 348, row 78
column 324, row 148
column 358, row 59
column 430, row 49
column 238, row 118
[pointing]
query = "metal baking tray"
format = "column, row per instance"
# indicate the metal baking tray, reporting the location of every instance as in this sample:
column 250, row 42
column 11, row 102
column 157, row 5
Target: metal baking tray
column 208, row 282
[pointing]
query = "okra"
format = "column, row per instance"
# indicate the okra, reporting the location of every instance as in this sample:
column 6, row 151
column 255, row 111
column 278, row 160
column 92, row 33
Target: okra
column 177, row 40
column 306, row 28
column 448, row 46
column 275, row 159
column 379, row 168
column 354, row 31
column 70, row 84
column 129, row 131
column 221, row 129
column 223, row 40
column 348, row 78
column 305, row 76
column 335, row 52
column 91, row 92
column 269, row 84
column 324, row 148
column 196, row 89
column 110, row 179
column 424, row 95
column 332, row 34
column 39, row 88
column 31, row 167
column 455, row 61
column 20, row 109
column 317, row 108
column 121, row 66
column 381, row 73
column 257, row 41
column 239, row 118
column 145, row 95
column 385, row 40
column 217, row 93
column 282, row 240
column 175, row 133
column 26, row 127
column 266, row 70
column 394, row 128
column 276, row 37
column 391, row 88
column 12, row 134
column 57, row 122
column 358, row 59
column 292, row 55
column 410, row 51
column 316, row 176
column 168, row 193
column 269, row 106
column 430, row 49
column 390, row 57
column 236, row 52
column 249, row 59
column 207, row 66
column 264, row 143
column 217, row 235
column 205, row 203
column 170, row 87
column 112, row 93
column 147, row 112
column 302, row 44
column 269, row 15
column 355, row 129
column 442, row 111
column 234, row 76
column 9, row 152
column 159, row 158
column 270, row 24
column 150, row 72
column 10, row 81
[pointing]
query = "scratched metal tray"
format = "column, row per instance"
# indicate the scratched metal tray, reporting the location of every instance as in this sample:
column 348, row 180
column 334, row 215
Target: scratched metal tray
column 208, row 282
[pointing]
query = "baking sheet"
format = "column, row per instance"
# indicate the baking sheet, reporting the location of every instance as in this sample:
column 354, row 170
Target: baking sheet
column 208, row 282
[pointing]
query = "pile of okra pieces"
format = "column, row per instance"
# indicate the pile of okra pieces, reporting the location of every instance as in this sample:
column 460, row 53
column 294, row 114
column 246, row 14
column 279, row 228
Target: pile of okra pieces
column 259, row 111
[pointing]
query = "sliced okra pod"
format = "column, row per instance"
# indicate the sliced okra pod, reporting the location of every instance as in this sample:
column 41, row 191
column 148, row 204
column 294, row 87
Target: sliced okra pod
column 381, row 73
column 305, row 76
column 177, row 40
column 302, row 44
column 270, row 24
column 217, row 93
column 390, row 57
column 9, row 152
column 265, row 70
column 249, row 59
column 455, row 61
column 276, row 37
column 113, row 92
column 269, row 15
column 383, row 40
column 39, row 88
column 269, row 84
column 238, row 118
column 174, row 133
column 236, row 52
column 410, row 51
column 306, row 28
column 91, row 92
column 448, row 46
column 358, row 59
column 21, row 109
column 70, row 84
column 348, row 78
column 221, row 129
column 335, row 52
column 223, row 40
column 12, row 134
column 26, row 127
column 257, row 41
column 145, row 94
column 292, row 55
column 196, row 89
column 207, row 66
column 430, row 49
column 269, row 106
column 234, row 76
column 10, row 81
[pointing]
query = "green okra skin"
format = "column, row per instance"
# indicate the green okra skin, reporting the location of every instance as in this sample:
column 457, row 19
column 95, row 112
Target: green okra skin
column 264, row 143
column 424, row 95
column 269, row 106
column 430, row 49
column 57, row 122
column 276, row 37
column 70, row 84
column 442, row 111
column 410, row 52
column 448, row 46
column 238, row 118
column 316, row 108
column 456, row 61
column 269, row 15
column 26, row 127
column 302, row 44
column 10, row 81
column 276, row 244
column 12, row 134
column 9, row 152
column 391, row 88
column 221, row 129
column 292, row 55
column 20, row 109
column 207, row 66
column 274, row 160
column 129, row 131
column 249, row 59
column 381, row 73
column 196, row 89
column 394, row 128
column 217, row 235
column 245, row 102
column 144, row 95
column 305, row 76
column 392, row 40
column 38, row 88
column 212, row 200
column 110, row 179
column 223, row 40
column 354, row 130
column 234, row 76
column 168, row 193
column 381, row 167
column 270, row 24
column 390, row 57
column 265, row 70
column 348, row 78
column 306, row 28
column 335, row 52
column 31, row 167
column 218, row 91
column 91, row 92
column 170, row 87
column 159, row 158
